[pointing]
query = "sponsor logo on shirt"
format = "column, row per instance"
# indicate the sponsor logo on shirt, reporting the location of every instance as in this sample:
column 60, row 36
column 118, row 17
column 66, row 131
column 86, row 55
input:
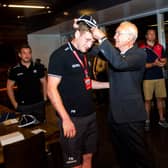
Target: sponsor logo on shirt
column 75, row 65
column 73, row 111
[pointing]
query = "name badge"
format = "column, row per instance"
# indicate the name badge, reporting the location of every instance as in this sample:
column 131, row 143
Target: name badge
column 88, row 83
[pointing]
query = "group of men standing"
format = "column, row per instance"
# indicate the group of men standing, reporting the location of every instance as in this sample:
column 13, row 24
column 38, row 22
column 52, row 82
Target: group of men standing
column 69, row 86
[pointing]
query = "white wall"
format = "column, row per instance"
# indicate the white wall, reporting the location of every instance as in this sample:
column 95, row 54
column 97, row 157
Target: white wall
column 43, row 46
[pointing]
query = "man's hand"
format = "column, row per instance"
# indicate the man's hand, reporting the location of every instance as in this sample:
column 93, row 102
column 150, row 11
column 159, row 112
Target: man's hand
column 15, row 105
column 68, row 128
column 159, row 63
column 97, row 33
column 163, row 60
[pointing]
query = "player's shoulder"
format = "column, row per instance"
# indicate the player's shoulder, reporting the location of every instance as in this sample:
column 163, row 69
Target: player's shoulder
column 60, row 53
column 15, row 67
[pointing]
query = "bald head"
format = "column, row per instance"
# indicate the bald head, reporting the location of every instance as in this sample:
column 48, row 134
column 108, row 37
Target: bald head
column 130, row 28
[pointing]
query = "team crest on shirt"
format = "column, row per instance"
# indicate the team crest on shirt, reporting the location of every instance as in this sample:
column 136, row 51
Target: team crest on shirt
column 71, row 160
column 35, row 71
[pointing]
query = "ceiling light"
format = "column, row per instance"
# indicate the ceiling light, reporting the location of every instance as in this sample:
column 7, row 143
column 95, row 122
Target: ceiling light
column 66, row 13
column 4, row 5
column 26, row 6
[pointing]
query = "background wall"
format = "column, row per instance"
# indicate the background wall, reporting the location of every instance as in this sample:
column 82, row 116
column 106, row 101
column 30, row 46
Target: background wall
column 43, row 46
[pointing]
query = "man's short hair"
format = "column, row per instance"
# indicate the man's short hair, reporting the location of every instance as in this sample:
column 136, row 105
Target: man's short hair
column 83, row 26
column 23, row 46
column 86, row 22
column 131, row 28
column 151, row 29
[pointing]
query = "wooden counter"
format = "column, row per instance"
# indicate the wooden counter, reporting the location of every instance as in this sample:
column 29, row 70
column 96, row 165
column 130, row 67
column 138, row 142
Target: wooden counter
column 51, row 134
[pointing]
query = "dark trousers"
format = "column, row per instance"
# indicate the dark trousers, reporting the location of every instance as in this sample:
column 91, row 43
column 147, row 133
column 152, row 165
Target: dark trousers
column 130, row 145
column 37, row 110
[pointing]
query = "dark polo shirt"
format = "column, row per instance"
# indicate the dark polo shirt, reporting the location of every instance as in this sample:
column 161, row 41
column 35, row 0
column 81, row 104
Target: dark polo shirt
column 28, row 82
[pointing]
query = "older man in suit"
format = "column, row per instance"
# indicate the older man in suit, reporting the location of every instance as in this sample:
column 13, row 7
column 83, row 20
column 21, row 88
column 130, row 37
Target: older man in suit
column 127, row 111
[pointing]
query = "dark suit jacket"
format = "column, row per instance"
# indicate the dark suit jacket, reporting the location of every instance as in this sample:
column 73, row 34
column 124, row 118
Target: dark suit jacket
column 125, row 75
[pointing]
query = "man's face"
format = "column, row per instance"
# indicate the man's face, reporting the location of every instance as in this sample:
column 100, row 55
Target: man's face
column 85, row 41
column 25, row 55
column 151, row 35
column 122, row 38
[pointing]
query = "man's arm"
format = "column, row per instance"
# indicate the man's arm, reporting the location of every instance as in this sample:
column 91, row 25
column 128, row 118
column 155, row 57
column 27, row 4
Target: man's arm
column 158, row 62
column 133, row 61
column 10, row 92
column 100, row 85
column 56, row 100
column 163, row 61
column 44, row 87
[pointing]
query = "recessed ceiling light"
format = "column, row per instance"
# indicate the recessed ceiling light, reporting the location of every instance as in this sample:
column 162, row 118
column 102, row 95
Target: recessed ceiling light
column 4, row 5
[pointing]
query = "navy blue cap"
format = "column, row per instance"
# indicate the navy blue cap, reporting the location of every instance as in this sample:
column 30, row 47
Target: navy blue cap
column 88, row 20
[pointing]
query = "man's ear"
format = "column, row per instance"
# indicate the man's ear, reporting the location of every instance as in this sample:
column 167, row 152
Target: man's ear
column 130, row 38
column 77, row 34
column 75, row 25
column 19, row 55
